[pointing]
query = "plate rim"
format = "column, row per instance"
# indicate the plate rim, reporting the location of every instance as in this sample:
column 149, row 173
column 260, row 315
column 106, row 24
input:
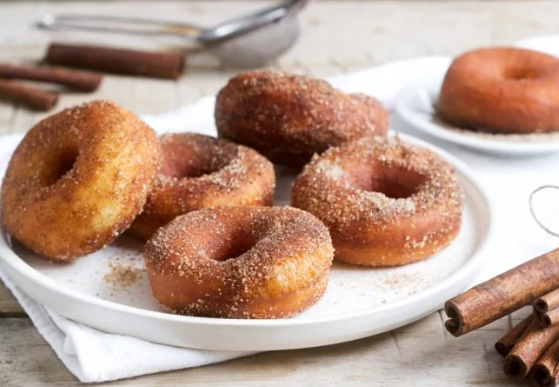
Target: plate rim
column 428, row 82
column 471, row 267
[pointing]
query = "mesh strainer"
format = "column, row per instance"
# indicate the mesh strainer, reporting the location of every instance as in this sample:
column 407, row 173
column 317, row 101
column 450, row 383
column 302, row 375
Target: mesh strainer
column 246, row 41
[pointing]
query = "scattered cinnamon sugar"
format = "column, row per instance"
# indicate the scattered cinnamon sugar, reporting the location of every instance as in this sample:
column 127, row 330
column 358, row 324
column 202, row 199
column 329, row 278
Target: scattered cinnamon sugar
column 516, row 138
column 122, row 275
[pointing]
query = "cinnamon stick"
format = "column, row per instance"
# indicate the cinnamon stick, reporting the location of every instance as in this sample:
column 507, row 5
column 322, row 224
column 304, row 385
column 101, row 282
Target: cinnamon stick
column 544, row 373
column 168, row 65
column 78, row 80
column 503, row 294
column 29, row 96
column 549, row 318
column 507, row 342
column 547, row 302
column 533, row 343
column 542, row 379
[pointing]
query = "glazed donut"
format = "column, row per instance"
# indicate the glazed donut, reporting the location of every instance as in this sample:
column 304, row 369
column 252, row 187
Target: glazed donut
column 200, row 171
column 386, row 203
column 502, row 90
column 78, row 179
column 240, row 262
column 288, row 118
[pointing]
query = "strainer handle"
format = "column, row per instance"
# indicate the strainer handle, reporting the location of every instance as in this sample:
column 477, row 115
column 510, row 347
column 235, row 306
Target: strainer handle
column 533, row 213
column 120, row 25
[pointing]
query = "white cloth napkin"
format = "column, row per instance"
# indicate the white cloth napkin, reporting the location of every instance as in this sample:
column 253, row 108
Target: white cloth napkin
column 95, row 356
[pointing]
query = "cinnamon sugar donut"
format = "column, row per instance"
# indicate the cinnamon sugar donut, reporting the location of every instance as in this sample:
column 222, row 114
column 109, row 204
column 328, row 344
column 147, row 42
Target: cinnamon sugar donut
column 240, row 262
column 200, row 171
column 502, row 90
column 386, row 203
column 78, row 179
column 288, row 118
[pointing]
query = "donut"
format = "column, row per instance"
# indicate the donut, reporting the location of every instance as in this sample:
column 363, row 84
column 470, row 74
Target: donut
column 199, row 171
column 78, row 179
column 243, row 262
column 288, row 118
column 502, row 90
column 386, row 203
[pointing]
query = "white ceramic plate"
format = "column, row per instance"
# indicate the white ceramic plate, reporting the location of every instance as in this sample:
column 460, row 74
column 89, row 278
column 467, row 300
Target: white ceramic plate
column 547, row 43
column 109, row 290
column 415, row 105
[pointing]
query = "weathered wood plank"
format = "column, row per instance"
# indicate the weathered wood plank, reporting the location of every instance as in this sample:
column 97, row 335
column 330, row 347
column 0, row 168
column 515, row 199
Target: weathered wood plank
column 421, row 352
column 8, row 304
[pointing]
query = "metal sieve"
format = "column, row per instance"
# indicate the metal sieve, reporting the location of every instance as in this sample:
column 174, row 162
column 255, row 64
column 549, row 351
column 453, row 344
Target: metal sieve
column 246, row 41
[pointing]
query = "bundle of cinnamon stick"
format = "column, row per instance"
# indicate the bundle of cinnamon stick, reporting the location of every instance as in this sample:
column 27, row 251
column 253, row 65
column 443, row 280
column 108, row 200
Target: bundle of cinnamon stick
column 167, row 65
column 37, row 98
column 530, row 348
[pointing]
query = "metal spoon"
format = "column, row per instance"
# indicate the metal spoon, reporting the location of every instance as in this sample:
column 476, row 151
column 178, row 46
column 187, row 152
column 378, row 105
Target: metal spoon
column 246, row 41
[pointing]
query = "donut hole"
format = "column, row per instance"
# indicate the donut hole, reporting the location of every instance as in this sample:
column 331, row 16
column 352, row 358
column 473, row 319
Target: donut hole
column 60, row 164
column 520, row 74
column 231, row 243
column 391, row 189
column 187, row 161
column 392, row 181
column 233, row 250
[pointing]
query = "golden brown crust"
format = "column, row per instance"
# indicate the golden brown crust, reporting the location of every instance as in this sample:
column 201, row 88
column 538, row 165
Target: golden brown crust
column 199, row 172
column 288, row 118
column 386, row 203
column 78, row 179
column 502, row 90
column 240, row 262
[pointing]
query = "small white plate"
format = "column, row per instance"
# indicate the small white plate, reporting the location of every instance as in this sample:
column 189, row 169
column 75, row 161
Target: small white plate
column 109, row 290
column 415, row 105
column 548, row 44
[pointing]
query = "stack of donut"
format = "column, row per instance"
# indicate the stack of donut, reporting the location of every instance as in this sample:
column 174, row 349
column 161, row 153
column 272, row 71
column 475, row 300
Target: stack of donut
column 215, row 245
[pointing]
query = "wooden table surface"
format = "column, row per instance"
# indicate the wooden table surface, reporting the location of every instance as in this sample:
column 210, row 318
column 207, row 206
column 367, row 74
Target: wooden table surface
column 338, row 36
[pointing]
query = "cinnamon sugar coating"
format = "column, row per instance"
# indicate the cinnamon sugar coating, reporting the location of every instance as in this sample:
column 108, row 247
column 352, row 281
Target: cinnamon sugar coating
column 288, row 118
column 199, row 172
column 240, row 262
column 502, row 90
column 78, row 179
column 386, row 203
